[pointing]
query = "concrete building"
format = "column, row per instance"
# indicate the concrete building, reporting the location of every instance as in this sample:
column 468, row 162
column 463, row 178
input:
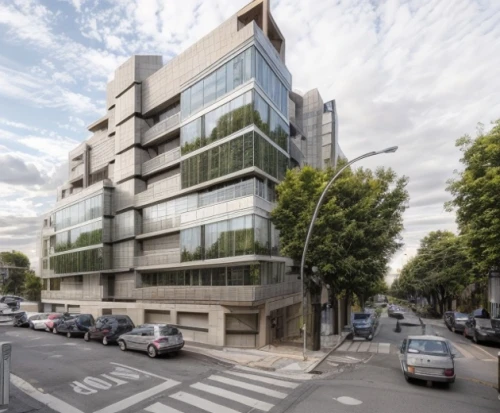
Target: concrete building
column 165, row 216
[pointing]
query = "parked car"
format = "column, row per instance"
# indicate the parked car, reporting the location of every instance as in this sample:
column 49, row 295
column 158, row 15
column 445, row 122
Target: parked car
column 108, row 328
column 74, row 325
column 446, row 319
column 363, row 325
column 11, row 300
column 427, row 358
column 54, row 319
column 395, row 312
column 154, row 339
column 37, row 321
column 456, row 322
column 22, row 319
column 483, row 329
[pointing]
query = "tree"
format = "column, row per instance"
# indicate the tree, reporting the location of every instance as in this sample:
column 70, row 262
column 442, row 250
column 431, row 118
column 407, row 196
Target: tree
column 32, row 288
column 476, row 197
column 14, row 284
column 355, row 235
column 440, row 270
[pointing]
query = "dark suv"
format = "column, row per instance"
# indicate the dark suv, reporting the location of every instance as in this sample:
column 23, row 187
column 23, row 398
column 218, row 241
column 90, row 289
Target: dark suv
column 77, row 325
column 108, row 328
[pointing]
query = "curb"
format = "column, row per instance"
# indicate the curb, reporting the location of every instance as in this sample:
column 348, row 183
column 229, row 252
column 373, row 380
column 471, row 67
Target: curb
column 322, row 359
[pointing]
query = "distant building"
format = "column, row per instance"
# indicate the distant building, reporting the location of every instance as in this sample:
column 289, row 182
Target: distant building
column 166, row 213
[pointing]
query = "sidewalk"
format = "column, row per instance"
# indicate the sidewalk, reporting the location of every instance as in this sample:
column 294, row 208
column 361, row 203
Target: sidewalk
column 20, row 403
column 284, row 359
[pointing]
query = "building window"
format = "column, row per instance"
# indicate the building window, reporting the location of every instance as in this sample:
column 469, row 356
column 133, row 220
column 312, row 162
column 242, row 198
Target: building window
column 55, row 284
column 271, row 84
column 86, row 210
column 44, row 284
column 84, row 236
column 80, row 261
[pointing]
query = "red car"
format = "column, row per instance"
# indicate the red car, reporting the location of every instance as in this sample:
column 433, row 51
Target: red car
column 54, row 318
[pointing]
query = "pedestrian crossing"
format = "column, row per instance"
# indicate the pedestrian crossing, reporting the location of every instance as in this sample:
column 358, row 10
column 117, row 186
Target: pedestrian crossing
column 227, row 392
column 367, row 347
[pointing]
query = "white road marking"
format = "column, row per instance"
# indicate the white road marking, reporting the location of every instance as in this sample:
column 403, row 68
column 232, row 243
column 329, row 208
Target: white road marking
column 384, row 348
column 349, row 401
column 490, row 356
column 202, row 404
column 247, row 401
column 139, row 397
column 161, row 408
column 462, row 350
column 296, row 376
column 354, row 346
column 363, row 347
column 268, row 380
column 344, row 346
column 142, row 371
column 251, row 387
column 47, row 399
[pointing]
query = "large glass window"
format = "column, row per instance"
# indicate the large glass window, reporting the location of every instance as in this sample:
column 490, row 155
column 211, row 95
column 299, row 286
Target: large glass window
column 191, row 244
column 242, row 152
column 233, row 74
column 80, row 261
column 84, row 236
column 80, row 212
column 191, row 136
column 271, row 84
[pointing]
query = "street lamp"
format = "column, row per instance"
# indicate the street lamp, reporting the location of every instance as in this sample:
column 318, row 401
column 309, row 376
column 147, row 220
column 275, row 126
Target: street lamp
column 391, row 149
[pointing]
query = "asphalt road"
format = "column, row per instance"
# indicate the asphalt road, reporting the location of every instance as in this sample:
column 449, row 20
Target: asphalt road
column 366, row 377
column 78, row 377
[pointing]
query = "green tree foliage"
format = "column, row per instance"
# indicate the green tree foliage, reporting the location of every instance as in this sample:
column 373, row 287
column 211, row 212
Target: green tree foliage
column 32, row 286
column 440, row 270
column 358, row 227
column 476, row 197
column 14, row 284
column 356, row 232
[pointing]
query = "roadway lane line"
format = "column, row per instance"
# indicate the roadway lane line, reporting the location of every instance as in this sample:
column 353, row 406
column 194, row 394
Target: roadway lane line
column 137, row 398
column 161, row 408
column 268, row 380
column 247, row 386
column 490, row 356
column 247, row 401
column 143, row 372
column 47, row 399
column 464, row 352
column 201, row 403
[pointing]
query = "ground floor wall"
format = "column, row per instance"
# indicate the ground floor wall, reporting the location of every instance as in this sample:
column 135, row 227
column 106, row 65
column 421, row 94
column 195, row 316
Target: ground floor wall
column 213, row 324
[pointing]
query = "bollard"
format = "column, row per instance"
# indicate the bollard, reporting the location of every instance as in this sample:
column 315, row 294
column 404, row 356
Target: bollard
column 398, row 327
column 6, row 350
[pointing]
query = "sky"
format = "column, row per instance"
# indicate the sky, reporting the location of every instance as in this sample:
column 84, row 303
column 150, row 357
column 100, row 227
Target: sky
column 414, row 73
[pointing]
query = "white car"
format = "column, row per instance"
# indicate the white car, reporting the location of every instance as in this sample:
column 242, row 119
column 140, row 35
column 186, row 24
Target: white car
column 37, row 321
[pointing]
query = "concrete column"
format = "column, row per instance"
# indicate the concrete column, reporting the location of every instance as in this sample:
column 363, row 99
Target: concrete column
column 217, row 327
column 265, row 17
column 263, row 328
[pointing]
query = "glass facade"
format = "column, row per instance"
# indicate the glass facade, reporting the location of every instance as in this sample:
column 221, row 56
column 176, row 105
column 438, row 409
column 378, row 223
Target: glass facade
column 247, row 235
column 84, row 236
column 80, row 261
column 263, row 273
column 227, row 78
column 247, row 109
column 244, row 151
column 90, row 208
column 271, row 84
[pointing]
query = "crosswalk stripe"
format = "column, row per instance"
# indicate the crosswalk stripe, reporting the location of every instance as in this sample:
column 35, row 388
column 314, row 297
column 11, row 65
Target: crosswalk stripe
column 363, row 347
column 251, row 387
column 161, row 408
column 201, row 403
column 344, row 346
column 268, row 380
column 248, row 401
column 354, row 346
column 384, row 348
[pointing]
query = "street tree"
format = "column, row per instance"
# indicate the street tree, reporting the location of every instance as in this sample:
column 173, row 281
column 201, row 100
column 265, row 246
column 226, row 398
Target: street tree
column 476, row 197
column 355, row 235
column 14, row 284
column 32, row 288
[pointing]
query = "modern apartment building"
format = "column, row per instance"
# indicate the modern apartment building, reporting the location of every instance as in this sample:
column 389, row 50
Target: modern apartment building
column 166, row 213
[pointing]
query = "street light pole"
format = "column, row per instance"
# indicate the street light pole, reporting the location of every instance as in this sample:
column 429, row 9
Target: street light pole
column 392, row 149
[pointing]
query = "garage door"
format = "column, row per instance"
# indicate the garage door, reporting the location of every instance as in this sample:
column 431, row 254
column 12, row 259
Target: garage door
column 157, row 317
column 241, row 330
column 59, row 308
column 74, row 309
column 47, row 308
column 194, row 326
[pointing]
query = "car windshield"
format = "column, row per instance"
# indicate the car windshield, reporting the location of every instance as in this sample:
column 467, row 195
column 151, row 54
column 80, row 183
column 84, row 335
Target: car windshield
column 461, row 316
column 437, row 347
column 361, row 317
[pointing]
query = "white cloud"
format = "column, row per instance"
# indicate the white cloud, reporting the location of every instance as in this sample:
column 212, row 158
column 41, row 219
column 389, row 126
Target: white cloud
column 62, row 77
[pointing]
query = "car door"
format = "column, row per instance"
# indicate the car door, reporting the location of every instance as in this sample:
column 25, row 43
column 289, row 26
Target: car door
column 132, row 338
column 144, row 338
column 402, row 354
column 96, row 333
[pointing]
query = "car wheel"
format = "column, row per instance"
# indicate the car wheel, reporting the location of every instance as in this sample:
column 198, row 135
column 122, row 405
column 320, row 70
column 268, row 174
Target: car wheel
column 370, row 337
column 105, row 341
column 68, row 334
column 86, row 337
column 408, row 379
column 54, row 330
column 122, row 345
column 152, row 352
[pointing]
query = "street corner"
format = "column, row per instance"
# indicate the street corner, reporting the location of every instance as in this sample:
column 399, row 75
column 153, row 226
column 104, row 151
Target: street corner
column 111, row 389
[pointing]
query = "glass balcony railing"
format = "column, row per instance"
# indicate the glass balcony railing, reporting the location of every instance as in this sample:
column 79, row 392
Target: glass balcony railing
column 162, row 161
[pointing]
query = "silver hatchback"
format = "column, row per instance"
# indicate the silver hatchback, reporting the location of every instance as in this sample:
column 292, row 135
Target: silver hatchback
column 155, row 339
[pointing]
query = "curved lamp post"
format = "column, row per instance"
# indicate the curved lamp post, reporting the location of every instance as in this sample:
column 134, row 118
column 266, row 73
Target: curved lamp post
column 392, row 149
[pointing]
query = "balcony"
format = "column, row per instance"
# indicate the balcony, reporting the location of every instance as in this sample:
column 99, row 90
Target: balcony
column 161, row 129
column 161, row 162
column 159, row 190
column 161, row 225
column 166, row 257
column 77, row 172
column 231, row 294
column 62, row 295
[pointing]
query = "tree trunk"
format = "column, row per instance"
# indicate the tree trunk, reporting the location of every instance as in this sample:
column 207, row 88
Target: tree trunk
column 313, row 325
column 335, row 319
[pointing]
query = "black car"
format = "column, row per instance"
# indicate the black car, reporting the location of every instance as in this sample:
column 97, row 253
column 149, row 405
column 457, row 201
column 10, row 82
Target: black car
column 74, row 325
column 456, row 321
column 482, row 329
column 446, row 318
column 108, row 328
column 21, row 319
column 363, row 325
